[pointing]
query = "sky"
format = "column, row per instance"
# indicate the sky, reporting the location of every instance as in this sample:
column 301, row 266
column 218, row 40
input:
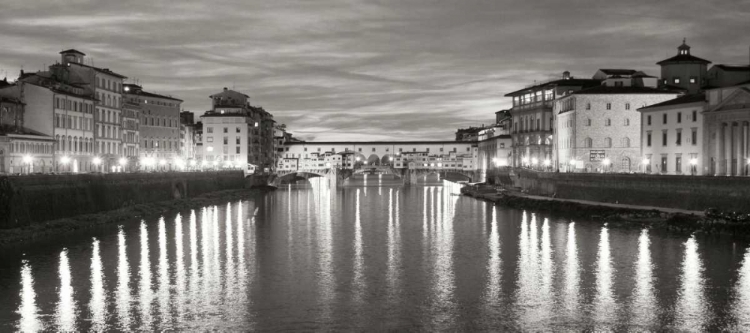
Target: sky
column 356, row 70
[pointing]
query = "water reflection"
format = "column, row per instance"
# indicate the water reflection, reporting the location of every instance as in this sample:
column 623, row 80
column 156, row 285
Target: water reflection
column 643, row 306
column 145, row 294
column 28, row 310
column 604, row 308
column 66, row 306
column 355, row 264
column 571, row 295
column 741, row 302
column 691, row 305
column 98, row 303
column 123, row 282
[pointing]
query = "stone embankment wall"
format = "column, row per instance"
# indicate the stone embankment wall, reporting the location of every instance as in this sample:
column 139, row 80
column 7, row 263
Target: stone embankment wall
column 684, row 192
column 32, row 199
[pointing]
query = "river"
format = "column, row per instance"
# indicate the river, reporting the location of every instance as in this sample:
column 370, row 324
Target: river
column 417, row 258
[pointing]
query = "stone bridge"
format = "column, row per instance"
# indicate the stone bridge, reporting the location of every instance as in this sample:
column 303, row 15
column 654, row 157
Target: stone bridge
column 336, row 176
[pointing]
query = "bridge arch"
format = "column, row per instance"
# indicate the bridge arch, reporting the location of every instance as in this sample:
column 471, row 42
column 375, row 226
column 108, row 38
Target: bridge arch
column 373, row 160
column 387, row 159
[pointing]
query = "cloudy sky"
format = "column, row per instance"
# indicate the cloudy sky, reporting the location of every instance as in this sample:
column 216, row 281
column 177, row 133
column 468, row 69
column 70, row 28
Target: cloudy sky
column 364, row 69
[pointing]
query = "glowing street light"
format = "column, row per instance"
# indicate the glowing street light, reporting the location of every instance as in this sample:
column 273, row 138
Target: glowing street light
column 97, row 161
column 210, row 148
column 645, row 161
column 192, row 162
column 357, row 158
column 123, row 161
column 65, row 160
column 525, row 160
column 162, row 162
column 534, row 161
column 606, row 162
column 694, row 161
column 547, row 162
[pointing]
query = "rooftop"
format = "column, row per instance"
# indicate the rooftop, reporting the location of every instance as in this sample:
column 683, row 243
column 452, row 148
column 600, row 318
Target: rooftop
column 379, row 142
column 101, row 70
column 73, row 51
column 619, row 71
column 559, row 82
column 601, row 90
column 687, row 99
column 734, row 68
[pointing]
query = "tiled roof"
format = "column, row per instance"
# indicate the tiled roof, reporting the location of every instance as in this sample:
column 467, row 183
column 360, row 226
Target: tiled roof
column 72, row 51
column 560, row 82
column 101, row 70
column 602, row 90
column 733, row 68
column 148, row 94
column 683, row 58
column 687, row 99
column 618, row 71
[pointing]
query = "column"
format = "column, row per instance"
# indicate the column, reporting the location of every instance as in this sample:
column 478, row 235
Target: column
column 741, row 157
column 745, row 154
column 737, row 146
column 719, row 149
column 728, row 150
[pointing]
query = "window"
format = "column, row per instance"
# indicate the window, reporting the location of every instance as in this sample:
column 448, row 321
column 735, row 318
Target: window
column 664, row 163
column 664, row 118
column 626, row 142
column 678, row 164
column 238, row 130
column 588, row 122
column 627, row 122
column 226, row 140
column 538, row 124
column 238, row 150
column 588, row 106
column 676, row 80
column 607, row 142
column 679, row 117
column 609, row 106
column 627, row 106
column 664, row 138
column 359, row 149
column 693, row 80
column 679, row 138
column 695, row 115
column 694, row 136
column 607, row 122
column 210, row 129
column 237, row 140
column 588, row 143
column 648, row 120
column 618, row 83
column 373, row 150
column 226, row 129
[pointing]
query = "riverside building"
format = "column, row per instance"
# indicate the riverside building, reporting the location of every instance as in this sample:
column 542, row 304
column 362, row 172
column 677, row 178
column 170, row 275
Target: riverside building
column 533, row 121
column 672, row 136
column 159, row 126
column 598, row 128
column 727, row 130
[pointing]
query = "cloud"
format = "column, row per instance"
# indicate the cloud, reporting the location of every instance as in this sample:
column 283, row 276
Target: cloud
column 365, row 70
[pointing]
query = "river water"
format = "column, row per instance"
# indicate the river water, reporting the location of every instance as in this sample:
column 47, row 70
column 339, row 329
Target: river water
column 417, row 258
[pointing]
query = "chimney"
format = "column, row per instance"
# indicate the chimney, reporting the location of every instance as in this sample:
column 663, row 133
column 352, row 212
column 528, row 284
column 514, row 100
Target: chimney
column 566, row 75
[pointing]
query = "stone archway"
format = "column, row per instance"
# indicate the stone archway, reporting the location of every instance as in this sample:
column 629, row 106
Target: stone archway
column 387, row 159
column 373, row 160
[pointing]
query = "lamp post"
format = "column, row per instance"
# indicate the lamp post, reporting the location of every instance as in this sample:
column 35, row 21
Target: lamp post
column 645, row 164
column 65, row 160
column 606, row 162
column 547, row 163
column 96, row 162
column 27, row 160
column 123, row 162
column 573, row 163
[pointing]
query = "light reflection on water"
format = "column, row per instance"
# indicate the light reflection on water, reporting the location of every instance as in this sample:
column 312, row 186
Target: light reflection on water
column 393, row 258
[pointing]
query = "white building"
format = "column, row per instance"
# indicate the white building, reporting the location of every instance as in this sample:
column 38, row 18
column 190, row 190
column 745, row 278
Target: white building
column 672, row 136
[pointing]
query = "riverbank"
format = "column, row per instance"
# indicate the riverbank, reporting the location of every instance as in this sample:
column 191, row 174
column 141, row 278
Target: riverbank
column 709, row 222
column 45, row 231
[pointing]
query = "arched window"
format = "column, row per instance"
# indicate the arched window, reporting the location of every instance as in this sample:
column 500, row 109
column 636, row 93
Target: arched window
column 607, row 142
column 75, row 144
column 588, row 143
column 626, row 142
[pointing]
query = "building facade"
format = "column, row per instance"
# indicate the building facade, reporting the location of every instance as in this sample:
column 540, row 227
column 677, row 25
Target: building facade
column 598, row 128
column 22, row 151
column 106, row 86
column 159, row 128
column 672, row 136
column 187, row 137
column 533, row 121
column 131, row 126
column 726, row 136
column 684, row 71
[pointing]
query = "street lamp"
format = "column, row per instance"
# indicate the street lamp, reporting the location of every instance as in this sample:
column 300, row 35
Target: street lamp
column 547, row 162
column 123, row 162
column 606, row 163
column 65, row 160
column 96, row 162
column 27, row 159
column 693, row 163
column 645, row 163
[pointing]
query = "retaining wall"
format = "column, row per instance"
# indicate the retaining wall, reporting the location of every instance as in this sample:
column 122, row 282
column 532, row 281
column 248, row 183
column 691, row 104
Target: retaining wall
column 684, row 192
column 37, row 198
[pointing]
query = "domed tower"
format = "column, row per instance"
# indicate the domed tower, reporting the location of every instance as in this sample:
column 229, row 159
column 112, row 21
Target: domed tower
column 684, row 70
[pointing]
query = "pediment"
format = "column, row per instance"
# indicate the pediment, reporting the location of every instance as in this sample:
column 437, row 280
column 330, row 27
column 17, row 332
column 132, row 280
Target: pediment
column 739, row 99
